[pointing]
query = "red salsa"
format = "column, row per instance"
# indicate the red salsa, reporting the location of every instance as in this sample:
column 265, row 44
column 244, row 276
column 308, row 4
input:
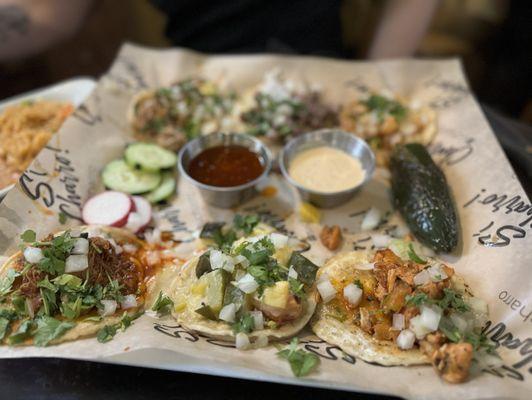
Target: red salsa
column 225, row 166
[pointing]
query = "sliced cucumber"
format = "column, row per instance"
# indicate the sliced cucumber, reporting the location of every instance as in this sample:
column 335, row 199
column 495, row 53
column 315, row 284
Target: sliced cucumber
column 149, row 156
column 165, row 189
column 118, row 175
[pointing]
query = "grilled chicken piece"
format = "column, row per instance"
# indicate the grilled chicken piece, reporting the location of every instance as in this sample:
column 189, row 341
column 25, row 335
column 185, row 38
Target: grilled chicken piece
column 452, row 361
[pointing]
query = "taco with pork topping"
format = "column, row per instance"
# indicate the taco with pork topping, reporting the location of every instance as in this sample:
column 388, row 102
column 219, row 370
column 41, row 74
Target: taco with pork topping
column 396, row 308
column 251, row 284
column 71, row 285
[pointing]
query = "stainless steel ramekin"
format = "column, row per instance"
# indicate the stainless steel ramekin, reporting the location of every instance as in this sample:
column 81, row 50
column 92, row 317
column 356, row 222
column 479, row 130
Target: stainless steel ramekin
column 347, row 142
column 224, row 197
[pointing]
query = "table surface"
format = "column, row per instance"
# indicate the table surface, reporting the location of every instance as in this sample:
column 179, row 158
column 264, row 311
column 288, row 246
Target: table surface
column 57, row 379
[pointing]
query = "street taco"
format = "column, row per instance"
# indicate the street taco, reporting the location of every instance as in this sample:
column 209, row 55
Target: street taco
column 385, row 120
column 279, row 110
column 73, row 284
column 170, row 116
column 395, row 309
column 251, row 285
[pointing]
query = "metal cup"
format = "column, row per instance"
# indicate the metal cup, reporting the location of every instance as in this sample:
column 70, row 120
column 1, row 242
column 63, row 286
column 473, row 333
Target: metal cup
column 347, row 142
column 225, row 197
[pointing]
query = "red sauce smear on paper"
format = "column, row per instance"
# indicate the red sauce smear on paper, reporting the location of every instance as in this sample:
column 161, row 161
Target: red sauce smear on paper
column 225, row 166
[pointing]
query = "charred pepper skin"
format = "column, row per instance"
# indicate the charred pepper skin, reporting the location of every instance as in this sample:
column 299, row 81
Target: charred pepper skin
column 422, row 196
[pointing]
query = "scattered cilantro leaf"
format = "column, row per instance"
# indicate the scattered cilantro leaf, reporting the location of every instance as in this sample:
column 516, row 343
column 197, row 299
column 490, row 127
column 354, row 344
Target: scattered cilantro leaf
column 301, row 362
column 297, row 288
column 62, row 218
column 413, row 256
column 163, row 305
column 23, row 332
column 245, row 324
column 28, row 236
column 49, row 328
column 417, row 299
column 106, row 333
column 6, row 282
column 453, row 299
column 246, row 223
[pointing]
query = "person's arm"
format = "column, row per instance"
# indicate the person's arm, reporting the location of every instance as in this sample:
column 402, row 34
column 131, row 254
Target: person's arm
column 28, row 27
column 402, row 27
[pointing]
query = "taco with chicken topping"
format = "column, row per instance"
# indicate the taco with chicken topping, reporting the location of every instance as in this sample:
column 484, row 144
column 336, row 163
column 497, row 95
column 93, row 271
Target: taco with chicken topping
column 393, row 307
column 71, row 285
column 385, row 120
column 251, row 284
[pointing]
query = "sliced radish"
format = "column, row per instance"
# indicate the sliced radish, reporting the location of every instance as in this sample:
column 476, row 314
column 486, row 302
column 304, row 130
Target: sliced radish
column 108, row 208
column 140, row 217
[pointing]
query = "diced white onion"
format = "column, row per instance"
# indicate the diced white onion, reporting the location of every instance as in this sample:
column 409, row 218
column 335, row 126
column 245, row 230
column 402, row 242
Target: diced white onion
column 118, row 249
column 227, row 313
column 478, row 305
column 153, row 236
column 258, row 319
column 380, row 240
column 33, row 254
column 427, row 252
column 418, row 328
column 371, row 219
column 278, row 240
column 242, row 341
column 129, row 301
column 398, row 321
column 81, row 246
column 365, row 266
column 240, row 259
column 421, row 278
column 247, row 284
column 129, row 248
column 436, row 273
column 220, row 260
column 292, row 273
column 430, row 317
column 327, row 290
column 262, row 341
column 109, row 307
column 76, row 263
column 323, row 277
column 460, row 322
column 353, row 294
column 406, row 339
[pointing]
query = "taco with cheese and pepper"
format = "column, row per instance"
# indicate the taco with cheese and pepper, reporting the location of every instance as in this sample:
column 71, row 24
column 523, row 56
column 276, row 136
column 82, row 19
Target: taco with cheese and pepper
column 251, row 284
column 392, row 307
column 74, row 284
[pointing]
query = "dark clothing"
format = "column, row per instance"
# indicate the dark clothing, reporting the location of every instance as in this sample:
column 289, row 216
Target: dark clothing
column 252, row 26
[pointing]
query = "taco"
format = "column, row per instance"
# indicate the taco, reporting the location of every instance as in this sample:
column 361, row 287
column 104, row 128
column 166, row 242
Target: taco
column 169, row 116
column 395, row 309
column 252, row 284
column 278, row 110
column 72, row 285
column 385, row 120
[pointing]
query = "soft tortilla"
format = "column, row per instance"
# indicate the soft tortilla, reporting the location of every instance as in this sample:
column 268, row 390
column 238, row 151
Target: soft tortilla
column 350, row 337
column 189, row 319
column 84, row 329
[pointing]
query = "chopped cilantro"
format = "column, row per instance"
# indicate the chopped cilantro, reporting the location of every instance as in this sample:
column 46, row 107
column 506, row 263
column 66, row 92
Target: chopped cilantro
column 454, row 300
column 23, row 332
column 245, row 324
column 296, row 288
column 246, row 223
column 49, row 328
column 163, row 305
column 383, row 105
column 301, row 362
column 417, row 299
column 28, row 236
column 413, row 256
column 106, row 333
column 6, row 282
column 62, row 218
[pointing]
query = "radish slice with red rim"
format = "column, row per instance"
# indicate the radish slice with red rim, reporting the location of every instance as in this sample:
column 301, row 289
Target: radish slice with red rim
column 108, row 208
column 141, row 217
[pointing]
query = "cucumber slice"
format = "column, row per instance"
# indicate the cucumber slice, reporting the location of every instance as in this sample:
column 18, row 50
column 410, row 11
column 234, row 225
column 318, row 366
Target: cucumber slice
column 149, row 156
column 118, row 175
column 165, row 189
